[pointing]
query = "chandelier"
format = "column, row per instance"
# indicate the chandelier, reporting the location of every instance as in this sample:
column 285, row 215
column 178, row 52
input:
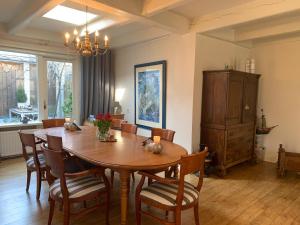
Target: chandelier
column 85, row 46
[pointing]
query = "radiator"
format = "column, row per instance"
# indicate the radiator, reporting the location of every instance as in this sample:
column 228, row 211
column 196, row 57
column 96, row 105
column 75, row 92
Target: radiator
column 10, row 144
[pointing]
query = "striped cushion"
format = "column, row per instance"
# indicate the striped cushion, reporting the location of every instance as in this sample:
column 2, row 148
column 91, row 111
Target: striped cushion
column 166, row 193
column 30, row 161
column 77, row 187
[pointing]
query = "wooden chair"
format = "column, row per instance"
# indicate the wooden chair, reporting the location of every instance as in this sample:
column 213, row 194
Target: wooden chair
column 116, row 124
column 72, row 163
column 172, row 194
column 35, row 163
column 128, row 128
column 72, row 188
column 53, row 123
column 165, row 134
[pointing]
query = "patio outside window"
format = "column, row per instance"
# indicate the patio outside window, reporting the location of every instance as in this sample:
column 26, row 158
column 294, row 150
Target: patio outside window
column 18, row 87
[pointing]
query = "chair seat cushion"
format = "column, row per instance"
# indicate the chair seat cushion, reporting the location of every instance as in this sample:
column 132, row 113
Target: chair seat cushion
column 166, row 194
column 41, row 157
column 77, row 187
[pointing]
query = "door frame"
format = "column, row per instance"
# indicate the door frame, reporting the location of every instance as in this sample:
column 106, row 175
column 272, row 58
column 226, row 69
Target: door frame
column 43, row 87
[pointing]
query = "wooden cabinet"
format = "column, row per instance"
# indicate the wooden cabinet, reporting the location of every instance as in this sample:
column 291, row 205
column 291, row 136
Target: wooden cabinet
column 228, row 120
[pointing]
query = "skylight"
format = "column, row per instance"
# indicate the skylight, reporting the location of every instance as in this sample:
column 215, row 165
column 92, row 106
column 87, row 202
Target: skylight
column 69, row 15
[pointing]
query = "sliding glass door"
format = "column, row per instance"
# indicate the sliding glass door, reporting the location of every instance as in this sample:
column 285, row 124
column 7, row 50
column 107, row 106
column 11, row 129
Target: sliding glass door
column 59, row 76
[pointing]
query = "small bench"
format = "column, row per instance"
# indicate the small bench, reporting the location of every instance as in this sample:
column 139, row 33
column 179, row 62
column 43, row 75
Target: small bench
column 287, row 161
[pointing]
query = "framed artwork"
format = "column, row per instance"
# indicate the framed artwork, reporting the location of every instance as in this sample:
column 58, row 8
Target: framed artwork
column 150, row 94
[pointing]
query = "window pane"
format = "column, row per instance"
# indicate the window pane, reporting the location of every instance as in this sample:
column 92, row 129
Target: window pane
column 18, row 87
column 59, row 89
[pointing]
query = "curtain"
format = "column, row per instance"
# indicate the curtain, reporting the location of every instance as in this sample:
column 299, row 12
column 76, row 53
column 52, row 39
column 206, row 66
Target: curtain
column 97, row 85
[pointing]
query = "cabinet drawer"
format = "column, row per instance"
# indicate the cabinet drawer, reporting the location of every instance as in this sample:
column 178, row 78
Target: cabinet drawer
column 239, row 148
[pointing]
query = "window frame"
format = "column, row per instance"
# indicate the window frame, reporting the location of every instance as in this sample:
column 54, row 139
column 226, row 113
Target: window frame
column 42, row 81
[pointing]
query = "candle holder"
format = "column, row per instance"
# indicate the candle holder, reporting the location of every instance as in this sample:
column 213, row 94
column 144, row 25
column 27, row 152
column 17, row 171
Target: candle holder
column 157, row 148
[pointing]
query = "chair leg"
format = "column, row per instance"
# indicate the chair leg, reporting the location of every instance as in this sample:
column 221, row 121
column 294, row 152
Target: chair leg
column 167, row 214
column 112, row 177
column 177, row 217
column 196, row 214
column 107, row 207
column 28, row 180
column 61, row 206
column 138, row 211
column 66, row 213
column 51, row 212
column 38, row 184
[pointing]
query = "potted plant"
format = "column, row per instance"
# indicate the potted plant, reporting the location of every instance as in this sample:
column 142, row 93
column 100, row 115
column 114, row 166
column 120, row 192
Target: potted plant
column 103, row 123
column 21, row 97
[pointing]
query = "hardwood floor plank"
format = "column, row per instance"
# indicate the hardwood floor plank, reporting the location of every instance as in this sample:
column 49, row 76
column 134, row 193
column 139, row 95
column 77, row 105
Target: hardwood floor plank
column 250, row 194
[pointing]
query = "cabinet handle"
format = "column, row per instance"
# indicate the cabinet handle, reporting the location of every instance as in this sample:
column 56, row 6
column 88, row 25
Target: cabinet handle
column 247, row 107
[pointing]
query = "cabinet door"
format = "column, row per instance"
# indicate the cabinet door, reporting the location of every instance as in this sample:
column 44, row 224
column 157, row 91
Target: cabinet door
column 214, row 98
column 234, row 99
column 250, row 98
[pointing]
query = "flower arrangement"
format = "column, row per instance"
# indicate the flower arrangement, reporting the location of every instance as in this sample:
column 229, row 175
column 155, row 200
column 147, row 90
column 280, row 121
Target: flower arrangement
column 103, row 122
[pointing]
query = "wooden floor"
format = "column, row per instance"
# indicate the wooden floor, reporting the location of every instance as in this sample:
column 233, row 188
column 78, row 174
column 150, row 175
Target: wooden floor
column 250, row 194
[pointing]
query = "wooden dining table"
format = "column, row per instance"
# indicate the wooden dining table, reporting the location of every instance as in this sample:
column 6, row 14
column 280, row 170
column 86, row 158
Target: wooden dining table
column 126, row 155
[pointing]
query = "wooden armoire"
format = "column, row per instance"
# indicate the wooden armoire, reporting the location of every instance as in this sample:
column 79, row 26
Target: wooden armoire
column 228, row 120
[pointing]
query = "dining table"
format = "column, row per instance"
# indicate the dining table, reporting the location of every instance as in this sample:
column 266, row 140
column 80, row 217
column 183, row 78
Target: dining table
column 125, row 155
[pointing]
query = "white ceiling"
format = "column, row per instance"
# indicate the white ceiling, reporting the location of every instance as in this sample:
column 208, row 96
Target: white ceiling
column 234, row 20
column 197, row 8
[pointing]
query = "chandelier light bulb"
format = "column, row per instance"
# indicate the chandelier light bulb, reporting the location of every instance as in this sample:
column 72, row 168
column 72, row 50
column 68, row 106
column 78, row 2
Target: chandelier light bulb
column 67, row 36
column 105, row 41
column 75, row 32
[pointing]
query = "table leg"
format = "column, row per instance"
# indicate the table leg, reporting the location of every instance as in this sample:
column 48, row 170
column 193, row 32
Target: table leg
column 124, row 176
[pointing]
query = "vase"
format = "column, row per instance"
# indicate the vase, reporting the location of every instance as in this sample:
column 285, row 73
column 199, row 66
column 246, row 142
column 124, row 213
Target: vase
column 102, row 134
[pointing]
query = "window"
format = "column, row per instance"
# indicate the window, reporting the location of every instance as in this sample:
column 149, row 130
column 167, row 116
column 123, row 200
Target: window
column 59, row 89
column 18, row 87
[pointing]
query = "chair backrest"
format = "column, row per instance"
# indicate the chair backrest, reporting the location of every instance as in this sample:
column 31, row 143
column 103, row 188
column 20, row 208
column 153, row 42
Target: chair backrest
column 55, row 143
column 53, row 123
column 129, row 128
column 116, row 123
column 56, row 167
column 54, row 157
column 28, row 140
column 191, row 164
column 165, row 134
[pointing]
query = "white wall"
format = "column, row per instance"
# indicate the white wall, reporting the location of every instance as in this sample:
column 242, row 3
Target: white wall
column 186, row 57
column 279, row 64
column 212, row 54
column 179, row 51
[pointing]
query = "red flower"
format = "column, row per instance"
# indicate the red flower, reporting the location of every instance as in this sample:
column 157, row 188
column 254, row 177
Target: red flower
column 99, row 116
column 107, row 117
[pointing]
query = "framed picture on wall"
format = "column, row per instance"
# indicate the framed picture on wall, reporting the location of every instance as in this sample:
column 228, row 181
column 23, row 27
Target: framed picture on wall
column 150, row 94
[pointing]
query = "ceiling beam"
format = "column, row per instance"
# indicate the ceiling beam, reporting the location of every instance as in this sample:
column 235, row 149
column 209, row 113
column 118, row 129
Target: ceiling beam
column 254, row 10
column 151, row 7
column 269, row 29
column 132, row 9
column 33, row 9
